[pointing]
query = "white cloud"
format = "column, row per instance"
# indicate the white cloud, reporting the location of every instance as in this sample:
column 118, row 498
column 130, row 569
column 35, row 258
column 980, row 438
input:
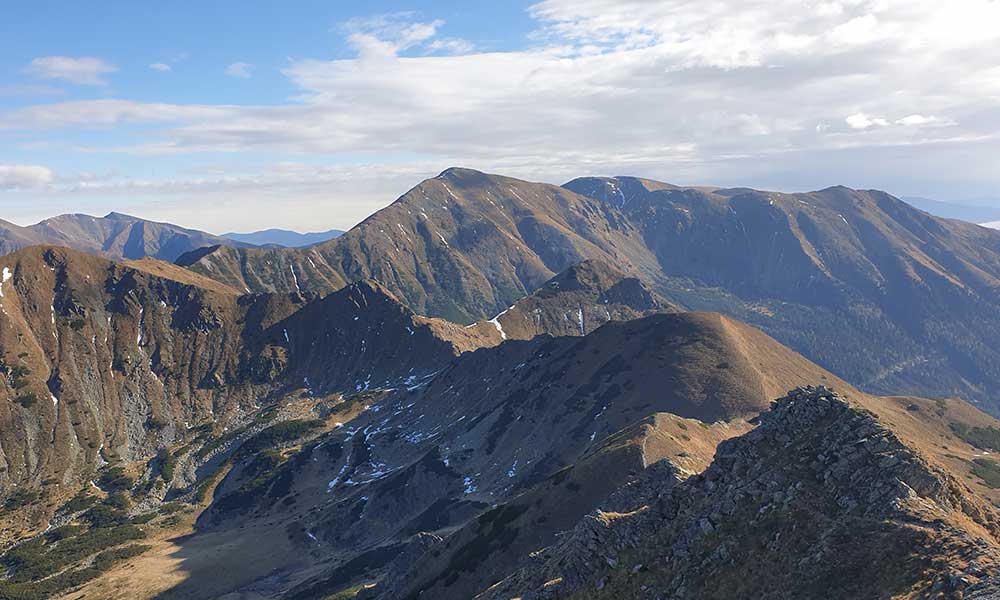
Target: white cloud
column 863, row 121
column 161, row 67
column 388, row 34
column 81, row 71
column 673, row 87
column 452, row 46
column 916, row 120
column 240, row 69
column 103, row 113
column 13, row 177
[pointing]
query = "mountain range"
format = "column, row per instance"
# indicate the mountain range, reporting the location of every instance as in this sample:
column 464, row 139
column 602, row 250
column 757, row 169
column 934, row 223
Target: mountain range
column 283, row 237
column 912, row 297
column 115, row 236
column 951, row 210
column 495, row 389
column 123, row 237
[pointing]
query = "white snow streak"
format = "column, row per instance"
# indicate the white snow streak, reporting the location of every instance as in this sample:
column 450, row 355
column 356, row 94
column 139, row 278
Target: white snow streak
column 6, row 277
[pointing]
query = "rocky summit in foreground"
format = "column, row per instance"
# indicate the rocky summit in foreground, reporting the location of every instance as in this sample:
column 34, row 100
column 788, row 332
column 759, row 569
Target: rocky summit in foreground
column 821, row 500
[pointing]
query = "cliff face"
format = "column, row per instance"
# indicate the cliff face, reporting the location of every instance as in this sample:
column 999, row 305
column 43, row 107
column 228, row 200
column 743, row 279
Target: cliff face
column 103, row 359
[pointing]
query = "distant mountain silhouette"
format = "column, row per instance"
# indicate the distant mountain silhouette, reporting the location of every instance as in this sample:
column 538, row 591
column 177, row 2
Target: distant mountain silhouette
column 115, row 236
column 283, row 237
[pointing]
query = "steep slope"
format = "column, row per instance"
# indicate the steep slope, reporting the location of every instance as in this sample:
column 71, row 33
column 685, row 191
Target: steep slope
column 861, row 515
column 578, row 301
column 910, row 298
column 105, row 359
column 444, row 481
column 462, row 246
column 575, row 302
column 115, row 236
column 562, row 419
column 283, row 237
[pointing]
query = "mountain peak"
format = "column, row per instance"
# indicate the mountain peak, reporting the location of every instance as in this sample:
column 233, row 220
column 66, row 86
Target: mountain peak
column 117, row 216
column 460, row 173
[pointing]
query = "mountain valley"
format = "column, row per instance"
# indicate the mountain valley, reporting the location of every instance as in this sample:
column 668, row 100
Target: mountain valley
column 501, row 389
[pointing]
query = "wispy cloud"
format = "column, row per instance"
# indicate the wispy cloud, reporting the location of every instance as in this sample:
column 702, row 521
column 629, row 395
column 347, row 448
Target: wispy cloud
column 241, row 70
column 13, row 177
column 81, row 71
column 452, row 46
column 161, row 67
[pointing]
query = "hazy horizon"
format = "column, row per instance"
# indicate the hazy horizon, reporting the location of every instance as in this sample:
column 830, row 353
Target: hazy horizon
column 151, row 112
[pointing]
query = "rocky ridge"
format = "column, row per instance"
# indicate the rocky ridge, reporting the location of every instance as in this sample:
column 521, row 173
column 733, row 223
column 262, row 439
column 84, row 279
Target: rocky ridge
column 820, row 480
column 114, row 236
column 910, row 297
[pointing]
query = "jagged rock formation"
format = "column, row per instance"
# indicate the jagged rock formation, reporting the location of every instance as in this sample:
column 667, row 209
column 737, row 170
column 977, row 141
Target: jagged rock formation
column 911, row 298
column 114, row 236
column 820, row 500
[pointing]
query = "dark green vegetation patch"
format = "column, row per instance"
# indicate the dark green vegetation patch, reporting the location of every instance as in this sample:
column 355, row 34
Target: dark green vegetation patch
column 987, row 470
column 984, row 438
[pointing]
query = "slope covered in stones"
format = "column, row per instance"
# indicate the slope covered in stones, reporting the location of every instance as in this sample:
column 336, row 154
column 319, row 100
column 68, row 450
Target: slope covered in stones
column 561, row 421
column 820, row 500
column 104, row 359
column 114, row 236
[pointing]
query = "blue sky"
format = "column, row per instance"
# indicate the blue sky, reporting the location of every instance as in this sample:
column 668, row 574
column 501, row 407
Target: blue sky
column 309, row 115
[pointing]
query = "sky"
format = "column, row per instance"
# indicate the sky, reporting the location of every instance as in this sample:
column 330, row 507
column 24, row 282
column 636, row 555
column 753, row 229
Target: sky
column 227, row 115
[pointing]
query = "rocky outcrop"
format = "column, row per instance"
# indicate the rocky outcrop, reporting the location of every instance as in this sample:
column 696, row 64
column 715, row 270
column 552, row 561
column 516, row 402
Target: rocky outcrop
column 576, row 302
column 820, row 490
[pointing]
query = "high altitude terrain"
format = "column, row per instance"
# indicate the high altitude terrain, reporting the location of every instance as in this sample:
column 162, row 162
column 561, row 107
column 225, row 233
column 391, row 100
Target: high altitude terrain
column 286, row 424
column 115, row 236
column 885, row 295
column 283, row 237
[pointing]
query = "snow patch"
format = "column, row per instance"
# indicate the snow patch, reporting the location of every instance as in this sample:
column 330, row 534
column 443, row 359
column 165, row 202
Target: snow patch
column 6, row 277
column 496, row 322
